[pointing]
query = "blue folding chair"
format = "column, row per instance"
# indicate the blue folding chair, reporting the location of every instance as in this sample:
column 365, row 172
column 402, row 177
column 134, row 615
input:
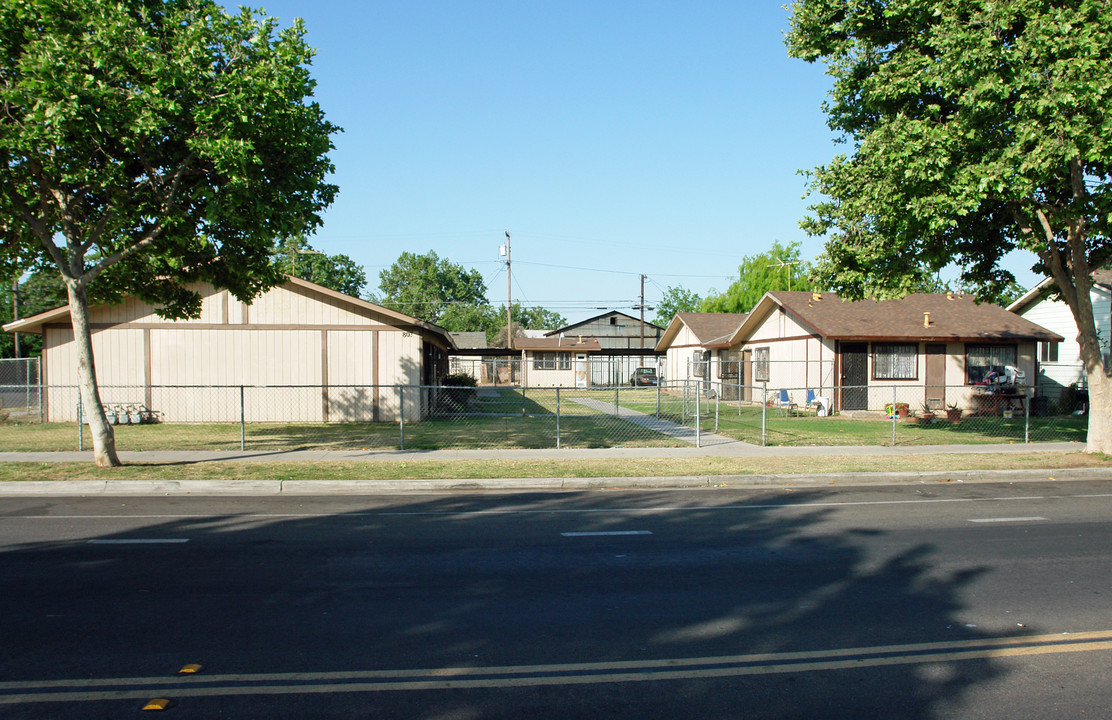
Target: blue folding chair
column 784, row 403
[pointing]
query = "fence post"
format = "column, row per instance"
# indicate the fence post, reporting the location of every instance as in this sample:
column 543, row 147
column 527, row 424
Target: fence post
column 894, row 415
column 80, row 428
column 557, row 418
column 659, row 380
column 764, row 414
column 717, row 398
column 1027, row 416
column 401, row 417
column 242, row 422
column 698, row 420
column 617, row 389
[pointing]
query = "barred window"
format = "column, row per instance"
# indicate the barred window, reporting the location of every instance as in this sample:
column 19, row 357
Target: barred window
column 698, row 365
column 547, row 361
column 980, row 360
column 760, row 365
column 892, row 361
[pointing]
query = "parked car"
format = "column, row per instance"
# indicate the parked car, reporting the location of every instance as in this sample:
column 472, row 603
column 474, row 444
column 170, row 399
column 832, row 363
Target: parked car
column 643, row 376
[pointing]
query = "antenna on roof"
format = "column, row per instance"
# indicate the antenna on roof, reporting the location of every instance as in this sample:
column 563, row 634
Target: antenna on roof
column 781, row 264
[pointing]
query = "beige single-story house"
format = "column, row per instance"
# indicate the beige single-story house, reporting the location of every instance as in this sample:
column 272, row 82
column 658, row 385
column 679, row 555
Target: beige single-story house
column 556, row 361
column 322, row 356
column 933, row 347
column 697, row 346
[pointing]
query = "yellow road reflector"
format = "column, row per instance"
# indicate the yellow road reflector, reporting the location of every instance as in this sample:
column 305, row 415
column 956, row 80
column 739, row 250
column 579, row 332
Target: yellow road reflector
column 190, row 669
column 157, row 704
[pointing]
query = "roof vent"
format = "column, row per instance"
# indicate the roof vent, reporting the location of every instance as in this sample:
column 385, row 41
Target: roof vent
column 926, row 319
column 949, row 294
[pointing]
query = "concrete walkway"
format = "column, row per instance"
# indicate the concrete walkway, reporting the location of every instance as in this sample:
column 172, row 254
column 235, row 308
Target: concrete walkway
column 732, row 449
column 651, row 422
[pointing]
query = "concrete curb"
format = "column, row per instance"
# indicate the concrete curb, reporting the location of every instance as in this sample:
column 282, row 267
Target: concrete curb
column 125, row 488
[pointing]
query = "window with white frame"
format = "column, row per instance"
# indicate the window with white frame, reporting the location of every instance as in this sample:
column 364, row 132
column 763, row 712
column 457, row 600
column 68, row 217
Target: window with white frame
column 980, row 360
column 551, row 361
column 895, row 361
column 1048, row 352
column 760, row 365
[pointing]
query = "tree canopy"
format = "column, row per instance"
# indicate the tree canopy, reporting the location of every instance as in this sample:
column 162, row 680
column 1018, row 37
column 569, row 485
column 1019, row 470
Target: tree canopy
column 149, row 144
column 976, row 127
column 439, row 291
column 781, row 268
column 428, row 286
column 295, row 256
column 676, row 299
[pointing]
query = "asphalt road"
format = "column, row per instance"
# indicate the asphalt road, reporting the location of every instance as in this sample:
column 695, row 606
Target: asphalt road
column 928, row 601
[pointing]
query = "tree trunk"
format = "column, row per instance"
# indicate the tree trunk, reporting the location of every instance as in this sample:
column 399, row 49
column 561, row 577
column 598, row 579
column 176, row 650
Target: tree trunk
column 1099, row 439
column 104, row 440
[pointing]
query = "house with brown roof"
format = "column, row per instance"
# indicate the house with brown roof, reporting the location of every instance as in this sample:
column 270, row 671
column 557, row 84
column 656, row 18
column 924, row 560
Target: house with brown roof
column 697, row 347
column 556, row 361
column 934, row 349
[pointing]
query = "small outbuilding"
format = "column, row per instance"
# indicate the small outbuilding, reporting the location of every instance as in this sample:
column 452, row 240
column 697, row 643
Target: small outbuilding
column 556, row 361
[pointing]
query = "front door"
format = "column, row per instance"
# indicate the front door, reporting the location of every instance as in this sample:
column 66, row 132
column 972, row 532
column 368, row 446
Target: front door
column 936, row 377
column 855, row 376
column 582, row 371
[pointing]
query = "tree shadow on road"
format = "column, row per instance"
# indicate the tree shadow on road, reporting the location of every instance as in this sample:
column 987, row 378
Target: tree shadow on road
column 421, row 582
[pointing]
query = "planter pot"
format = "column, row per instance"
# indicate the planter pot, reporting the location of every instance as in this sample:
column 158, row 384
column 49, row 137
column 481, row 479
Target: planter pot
column 953, row 416
column 926, row 418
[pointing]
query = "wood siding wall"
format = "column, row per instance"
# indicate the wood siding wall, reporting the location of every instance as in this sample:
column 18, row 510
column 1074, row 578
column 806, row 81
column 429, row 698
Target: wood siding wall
column 292, row 341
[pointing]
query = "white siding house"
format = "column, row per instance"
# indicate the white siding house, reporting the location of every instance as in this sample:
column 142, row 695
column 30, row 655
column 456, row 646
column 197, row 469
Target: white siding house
column 1059, row 364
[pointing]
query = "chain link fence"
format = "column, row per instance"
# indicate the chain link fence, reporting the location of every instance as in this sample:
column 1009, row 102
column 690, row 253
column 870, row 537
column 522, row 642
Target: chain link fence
column 888, row 415
column 671, row 414
column 20, row 380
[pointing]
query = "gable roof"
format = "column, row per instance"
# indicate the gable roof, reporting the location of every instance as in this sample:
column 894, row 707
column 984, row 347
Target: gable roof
column 470, row 340
column 34, row 324
column 569, row 328
column 951, row 317
column 710, row 329
column 1101, row 277
column 570, row 344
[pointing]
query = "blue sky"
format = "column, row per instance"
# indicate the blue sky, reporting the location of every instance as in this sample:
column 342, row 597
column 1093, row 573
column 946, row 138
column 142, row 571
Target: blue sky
column 610, row 139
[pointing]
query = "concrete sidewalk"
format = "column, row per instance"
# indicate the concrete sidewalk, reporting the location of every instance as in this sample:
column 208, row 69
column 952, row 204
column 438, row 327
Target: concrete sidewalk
column 906, row 475
column 732, row 449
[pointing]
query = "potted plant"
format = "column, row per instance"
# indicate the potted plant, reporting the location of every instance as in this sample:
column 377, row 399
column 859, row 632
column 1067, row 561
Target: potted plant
column 926, row 415
column 953, row 413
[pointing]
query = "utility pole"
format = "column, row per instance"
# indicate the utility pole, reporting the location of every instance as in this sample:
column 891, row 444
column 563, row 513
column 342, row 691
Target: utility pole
column 509, row 298
column 642, row 306
column 15, row 311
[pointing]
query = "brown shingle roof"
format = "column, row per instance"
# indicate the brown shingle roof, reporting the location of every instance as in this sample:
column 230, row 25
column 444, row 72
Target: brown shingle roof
column 951, row 317
column 711, row 327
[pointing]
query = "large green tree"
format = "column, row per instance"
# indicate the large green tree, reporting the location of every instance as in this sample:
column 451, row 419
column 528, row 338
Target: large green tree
column 780, row 268
column 37, row 292
column 295, row 256
column 428, row 286
column 149, row 144
column 676, row 299
column 975, row 127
